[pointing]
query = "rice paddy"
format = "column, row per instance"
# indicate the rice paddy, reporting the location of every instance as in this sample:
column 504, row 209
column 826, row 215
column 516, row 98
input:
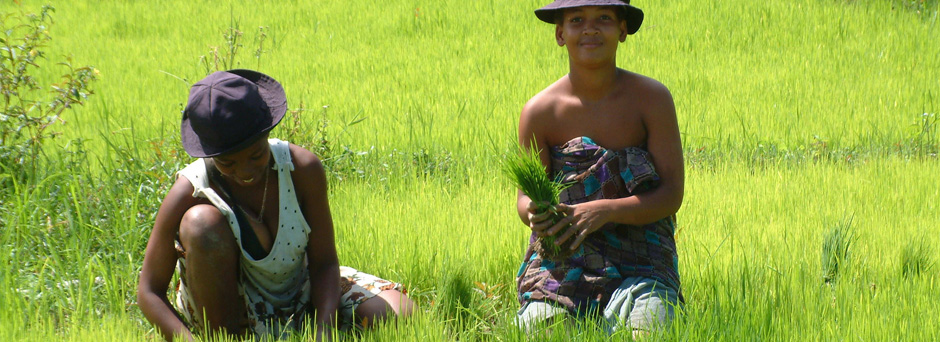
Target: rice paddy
column 810, row 131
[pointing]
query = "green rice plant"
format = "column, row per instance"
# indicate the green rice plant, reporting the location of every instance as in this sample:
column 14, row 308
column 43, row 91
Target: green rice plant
column 916, row 258
column 836, row 250
column 524, row 169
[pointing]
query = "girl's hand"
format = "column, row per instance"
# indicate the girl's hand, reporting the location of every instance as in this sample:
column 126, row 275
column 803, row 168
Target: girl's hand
column 580, row 221
column 324, row 333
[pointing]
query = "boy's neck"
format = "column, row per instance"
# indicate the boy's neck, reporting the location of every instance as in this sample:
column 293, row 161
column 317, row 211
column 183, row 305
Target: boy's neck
column 593, row 83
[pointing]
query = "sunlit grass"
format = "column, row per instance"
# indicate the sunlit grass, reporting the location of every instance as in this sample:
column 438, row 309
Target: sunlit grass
column 780, row 75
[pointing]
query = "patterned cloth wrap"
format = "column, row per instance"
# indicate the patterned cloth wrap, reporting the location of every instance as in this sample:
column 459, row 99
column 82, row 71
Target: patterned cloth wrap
column 585, row 281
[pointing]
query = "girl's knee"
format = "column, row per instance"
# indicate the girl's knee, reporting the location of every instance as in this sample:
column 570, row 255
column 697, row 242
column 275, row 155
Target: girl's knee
column 204, row 228
column 388, row 303
column 398, row 302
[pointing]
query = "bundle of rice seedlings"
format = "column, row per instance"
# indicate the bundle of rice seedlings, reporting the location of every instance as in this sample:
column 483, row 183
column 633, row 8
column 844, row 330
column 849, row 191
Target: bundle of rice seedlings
column 524, row 169
column 836, row 250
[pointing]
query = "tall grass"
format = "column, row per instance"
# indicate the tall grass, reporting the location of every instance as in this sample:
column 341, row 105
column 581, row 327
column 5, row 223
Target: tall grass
column 792, row 114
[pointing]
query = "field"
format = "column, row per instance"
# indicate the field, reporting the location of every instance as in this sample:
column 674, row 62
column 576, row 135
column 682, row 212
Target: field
column 800, row 119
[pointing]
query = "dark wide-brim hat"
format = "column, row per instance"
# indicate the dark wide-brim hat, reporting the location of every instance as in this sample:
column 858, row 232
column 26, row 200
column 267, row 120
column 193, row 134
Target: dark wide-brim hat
column 633, row 15
column 229, row 110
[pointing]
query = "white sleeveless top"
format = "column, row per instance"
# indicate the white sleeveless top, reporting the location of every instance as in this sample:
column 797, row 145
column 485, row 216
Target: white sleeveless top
column 275, row 287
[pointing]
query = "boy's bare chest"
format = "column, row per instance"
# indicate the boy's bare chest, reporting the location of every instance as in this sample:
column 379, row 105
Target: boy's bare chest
column 612, row 125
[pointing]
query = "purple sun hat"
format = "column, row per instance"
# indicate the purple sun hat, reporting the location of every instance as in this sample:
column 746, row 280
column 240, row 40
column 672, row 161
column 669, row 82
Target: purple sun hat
column 633, row 15
column 228, row 110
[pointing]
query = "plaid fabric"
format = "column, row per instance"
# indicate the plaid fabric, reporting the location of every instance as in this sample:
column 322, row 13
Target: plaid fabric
column 585, row 281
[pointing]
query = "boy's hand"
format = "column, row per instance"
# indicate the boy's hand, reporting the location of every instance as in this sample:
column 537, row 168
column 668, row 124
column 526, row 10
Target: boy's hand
column 539, row 219
column 580, row 221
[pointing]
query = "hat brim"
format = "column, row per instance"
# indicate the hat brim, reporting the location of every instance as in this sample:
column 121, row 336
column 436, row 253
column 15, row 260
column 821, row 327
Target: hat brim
column 273, row 95
column 195, row 149
column 633, row 15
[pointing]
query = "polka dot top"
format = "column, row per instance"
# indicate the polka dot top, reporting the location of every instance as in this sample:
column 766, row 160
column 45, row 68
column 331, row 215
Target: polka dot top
column 277, row 282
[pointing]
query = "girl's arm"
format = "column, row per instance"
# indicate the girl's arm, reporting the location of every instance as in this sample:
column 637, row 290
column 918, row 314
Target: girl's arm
column 160, row 261
column 323, row 265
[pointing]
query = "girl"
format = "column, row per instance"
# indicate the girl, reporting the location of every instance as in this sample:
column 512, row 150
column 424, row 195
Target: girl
column 248, row 227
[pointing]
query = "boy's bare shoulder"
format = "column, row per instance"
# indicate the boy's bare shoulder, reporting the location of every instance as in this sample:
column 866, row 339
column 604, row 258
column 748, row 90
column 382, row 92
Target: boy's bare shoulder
column 644, row 87
column 547, row 102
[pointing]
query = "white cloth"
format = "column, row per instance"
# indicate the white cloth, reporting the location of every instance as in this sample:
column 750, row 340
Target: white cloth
column 639, row 303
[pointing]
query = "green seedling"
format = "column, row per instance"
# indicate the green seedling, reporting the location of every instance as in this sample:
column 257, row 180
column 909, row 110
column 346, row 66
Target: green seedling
column 524, row 169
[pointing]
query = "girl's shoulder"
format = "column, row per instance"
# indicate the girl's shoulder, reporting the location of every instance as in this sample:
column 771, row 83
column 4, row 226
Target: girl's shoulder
column 303, row 158
column 181, row 196
column 307, row 173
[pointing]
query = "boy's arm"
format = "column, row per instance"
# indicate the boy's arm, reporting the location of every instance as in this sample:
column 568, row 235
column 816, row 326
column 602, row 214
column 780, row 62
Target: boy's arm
column 665, row 146
column 533, row 123
column 322, row 262
column 160, row 261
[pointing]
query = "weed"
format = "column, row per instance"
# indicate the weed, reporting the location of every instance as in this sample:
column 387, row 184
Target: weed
column 430, row 164
column 836, row 250
column 26, row 116
column 924, row 8
column 226, row 57
column 225, row 60
column 916, row 258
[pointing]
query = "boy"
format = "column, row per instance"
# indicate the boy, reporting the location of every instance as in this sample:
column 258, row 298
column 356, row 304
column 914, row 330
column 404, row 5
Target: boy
column 614, row 135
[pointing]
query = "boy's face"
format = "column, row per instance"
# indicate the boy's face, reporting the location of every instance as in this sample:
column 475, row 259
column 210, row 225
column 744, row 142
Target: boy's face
column 591, row 33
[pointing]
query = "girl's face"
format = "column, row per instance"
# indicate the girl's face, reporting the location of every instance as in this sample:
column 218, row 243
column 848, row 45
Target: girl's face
column 247, row 166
